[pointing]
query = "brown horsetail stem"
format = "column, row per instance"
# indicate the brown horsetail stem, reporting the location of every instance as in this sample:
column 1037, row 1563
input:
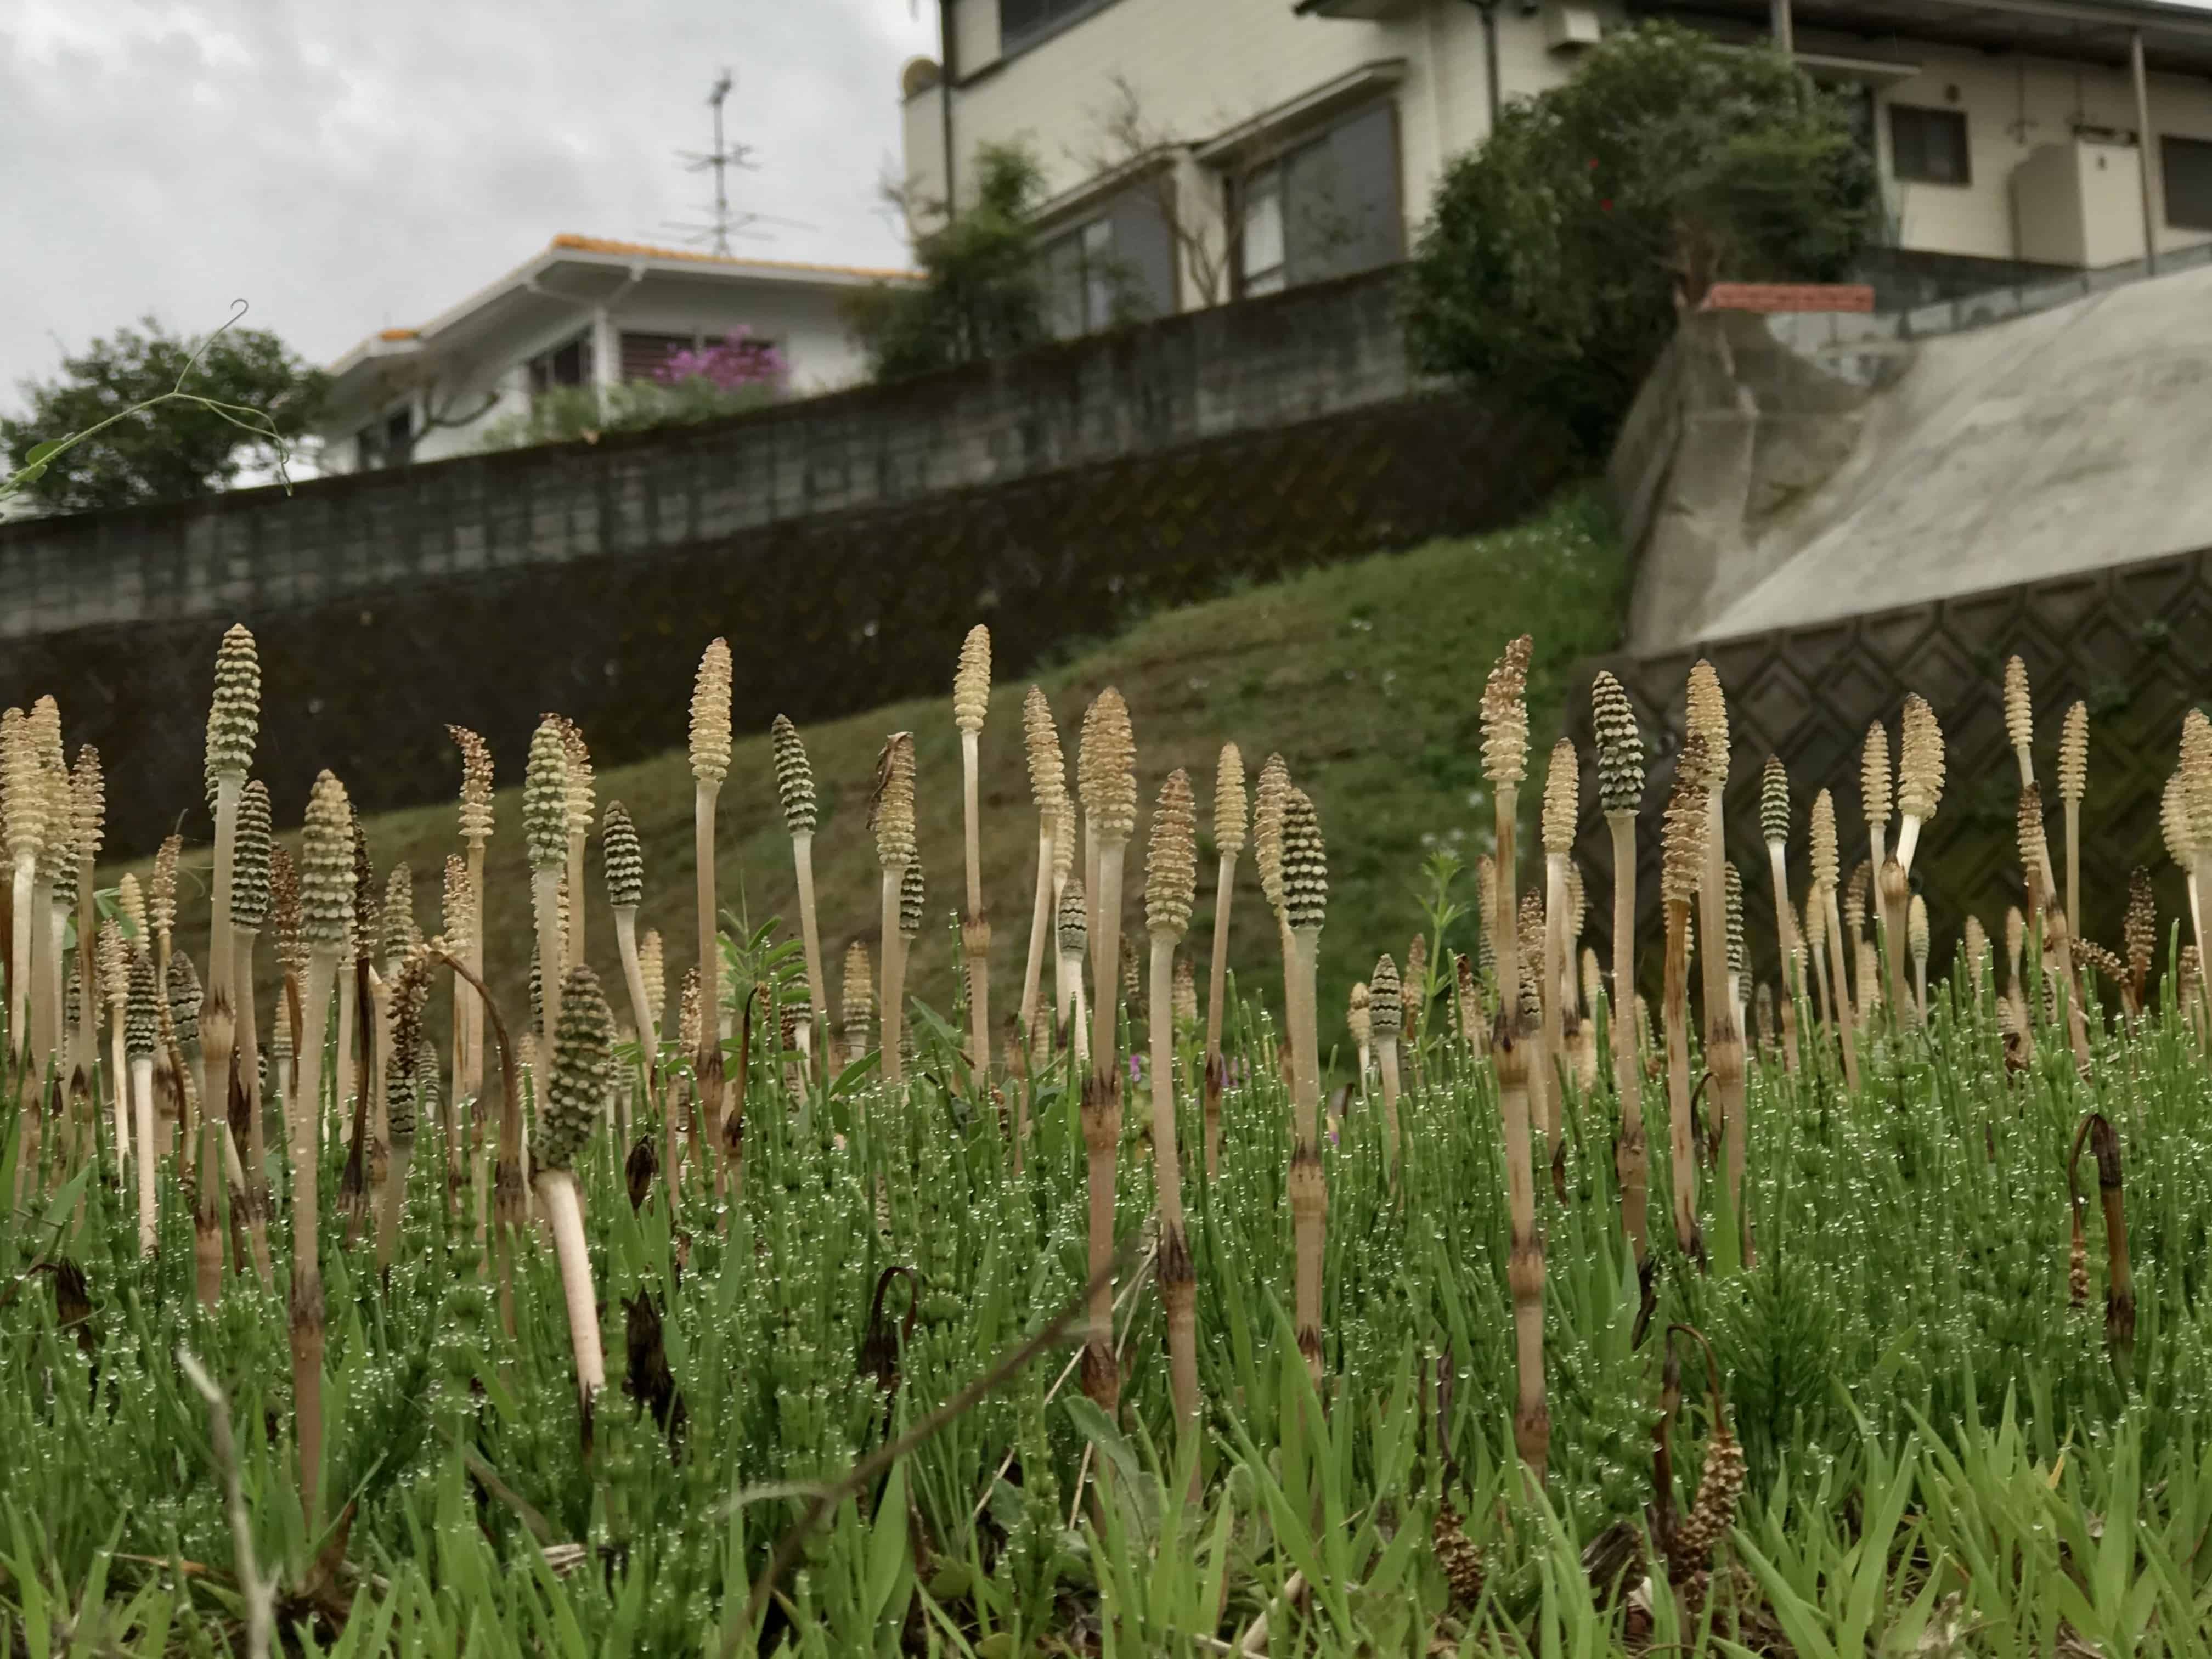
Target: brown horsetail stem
column 1305, row 907
column 1105, row 770
column 1048, row 791
column 1562, row 782
column 1681, row 870
column 1621, row 795
column 1724, row 1059
column 1228, row 830
column 1826, row 869
column 23, row 797
column 710, row 765
column 890, row 817
column 249, row 914
column 2119, row 1283
column 476, row 828
column 1171, row 888
column 2195, row 774
column 2073, row 783
column 88, row 820
column 1505, row 763
column 458, row 923
column 1774, row 815
column 971, row 702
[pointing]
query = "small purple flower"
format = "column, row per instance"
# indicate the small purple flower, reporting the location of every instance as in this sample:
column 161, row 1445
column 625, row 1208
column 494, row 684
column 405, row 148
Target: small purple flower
column 737, row 361
column 1136, row 1068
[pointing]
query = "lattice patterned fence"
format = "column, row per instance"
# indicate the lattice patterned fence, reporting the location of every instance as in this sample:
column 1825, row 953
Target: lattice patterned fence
column 2135, row 642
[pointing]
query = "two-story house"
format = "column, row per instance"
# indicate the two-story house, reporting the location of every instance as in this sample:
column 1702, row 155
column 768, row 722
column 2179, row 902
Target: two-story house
column 581, row 313
column 1200, row 151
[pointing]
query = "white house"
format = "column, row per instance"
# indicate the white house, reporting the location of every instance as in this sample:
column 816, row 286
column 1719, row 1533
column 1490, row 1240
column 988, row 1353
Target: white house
column 584, row 311
column 1199, row 150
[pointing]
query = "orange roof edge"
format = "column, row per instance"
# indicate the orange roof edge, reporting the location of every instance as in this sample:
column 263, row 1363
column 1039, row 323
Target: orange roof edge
column 607, row 244
column 399, row 333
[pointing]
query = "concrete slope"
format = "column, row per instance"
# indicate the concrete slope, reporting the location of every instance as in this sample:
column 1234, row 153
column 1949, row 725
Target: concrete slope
column 2072, row 439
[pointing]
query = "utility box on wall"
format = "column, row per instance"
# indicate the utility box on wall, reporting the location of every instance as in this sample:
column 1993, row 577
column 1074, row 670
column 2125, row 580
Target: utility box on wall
column 2080, row 203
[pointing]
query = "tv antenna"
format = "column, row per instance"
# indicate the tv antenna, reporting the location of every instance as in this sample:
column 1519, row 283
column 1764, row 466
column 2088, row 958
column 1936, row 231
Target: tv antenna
column 724, row 222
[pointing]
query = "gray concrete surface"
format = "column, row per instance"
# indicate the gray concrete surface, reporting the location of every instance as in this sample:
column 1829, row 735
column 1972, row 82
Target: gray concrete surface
column 2070, row 440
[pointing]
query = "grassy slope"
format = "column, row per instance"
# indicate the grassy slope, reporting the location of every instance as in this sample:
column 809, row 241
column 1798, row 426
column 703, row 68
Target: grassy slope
column 1365, row 676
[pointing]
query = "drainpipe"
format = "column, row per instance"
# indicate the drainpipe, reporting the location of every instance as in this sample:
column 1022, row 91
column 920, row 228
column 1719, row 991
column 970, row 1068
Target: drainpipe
column 1489, row 10
column 2148, row 151
column 1784, row 27
column 945, row 72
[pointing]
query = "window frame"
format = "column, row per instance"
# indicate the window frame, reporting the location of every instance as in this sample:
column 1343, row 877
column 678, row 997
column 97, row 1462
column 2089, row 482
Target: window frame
column 1013, row 43
column 1274, row 164
column 538, row 368
column 1932, row 113
column 2170, row 144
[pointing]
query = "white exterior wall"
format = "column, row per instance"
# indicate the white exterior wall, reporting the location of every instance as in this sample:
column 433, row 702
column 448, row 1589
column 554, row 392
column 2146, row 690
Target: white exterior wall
column 1199, row 67
column 2014, row 106
column 807, row 323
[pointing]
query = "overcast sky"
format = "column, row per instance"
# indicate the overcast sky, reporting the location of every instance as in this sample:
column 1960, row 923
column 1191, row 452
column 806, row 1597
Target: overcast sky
column 350, row 167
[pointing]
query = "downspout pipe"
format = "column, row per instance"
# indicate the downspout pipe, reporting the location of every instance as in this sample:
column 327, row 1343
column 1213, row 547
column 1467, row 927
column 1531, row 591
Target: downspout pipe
column 1489, row 10
column 948, row 73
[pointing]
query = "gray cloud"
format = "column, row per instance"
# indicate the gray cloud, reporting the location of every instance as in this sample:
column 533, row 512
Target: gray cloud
column 349, row 168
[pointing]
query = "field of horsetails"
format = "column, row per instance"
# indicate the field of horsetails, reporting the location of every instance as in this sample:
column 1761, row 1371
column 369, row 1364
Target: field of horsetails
column 1501, row 1312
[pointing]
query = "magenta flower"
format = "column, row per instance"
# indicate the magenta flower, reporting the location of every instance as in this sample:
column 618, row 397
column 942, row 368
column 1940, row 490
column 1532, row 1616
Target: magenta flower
column 737, row 361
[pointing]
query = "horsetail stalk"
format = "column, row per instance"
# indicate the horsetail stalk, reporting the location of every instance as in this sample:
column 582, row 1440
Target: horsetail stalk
column 2058, row 946
column 24, row 800
column 1305, row 904
column 1681, row 870
column 623, row 856
column 1359, row 1020
column 1072, row 930
column 476, row 827
column 710, row 765
column 857, row 1010
column 2073, row 783
column 2019, row 718
column 545, row 831
column 1824, row 870
column 458, row 924
column 410, row 995
column 89, row 817
column 1386, row 1019
column 249, row 911
column 1774, row 830
column 1105, row 770
column 114, row 961
column 1916, row 940
column 971, row 702
column 325, row 908
column 2196, row 802
column 794, row 788
column 1066, row 990
column 581, row 1069
column 1562, row 783
column 1620, row 794
column 1229, row 828
column 234, row 723
column 891, row 814
column 1504, row 762
column 56, row 891
column 1170, row 886
column 140, row 1027
column 1919, row 792
column 1047, row 789
column 1708, row 716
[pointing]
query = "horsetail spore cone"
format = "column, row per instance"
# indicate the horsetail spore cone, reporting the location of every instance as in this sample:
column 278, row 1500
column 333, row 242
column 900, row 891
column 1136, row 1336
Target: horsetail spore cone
column 1047, row 789
column 1171, row 888
column 1827, row 862
column 234, row 723
column 857, row 1010
column 1774, row 816
column 1681, row 874
column 582, row 1072
column 1386, row 1019
column 971, row 701
column 2073, row 783
column 545, row 835
column 623, row 856
column 142, row 1024
column 794, row 790
column 476, row 828
column 1562, row 787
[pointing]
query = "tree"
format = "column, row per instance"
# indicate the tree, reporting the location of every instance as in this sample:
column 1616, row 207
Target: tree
column 979, row 295
column 1128, row 140
column 235, row 400
column 1559, row 255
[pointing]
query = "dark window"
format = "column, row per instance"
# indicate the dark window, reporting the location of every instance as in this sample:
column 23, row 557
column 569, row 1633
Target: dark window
column 644, row 355
column 565, row 365
column 1929, row 146
column 2187, row 165
column 387, row 442
column 1117, row 268
column 1327, row 207
column 1022, row 22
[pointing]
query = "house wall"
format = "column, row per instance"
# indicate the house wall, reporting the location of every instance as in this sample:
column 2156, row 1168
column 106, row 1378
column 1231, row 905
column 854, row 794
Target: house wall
column 2013, row 107
column 808, row 323
column 1201, row 66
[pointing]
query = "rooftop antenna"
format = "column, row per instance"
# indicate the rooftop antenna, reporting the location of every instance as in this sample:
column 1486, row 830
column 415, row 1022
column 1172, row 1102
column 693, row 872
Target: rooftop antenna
column 725, row 224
